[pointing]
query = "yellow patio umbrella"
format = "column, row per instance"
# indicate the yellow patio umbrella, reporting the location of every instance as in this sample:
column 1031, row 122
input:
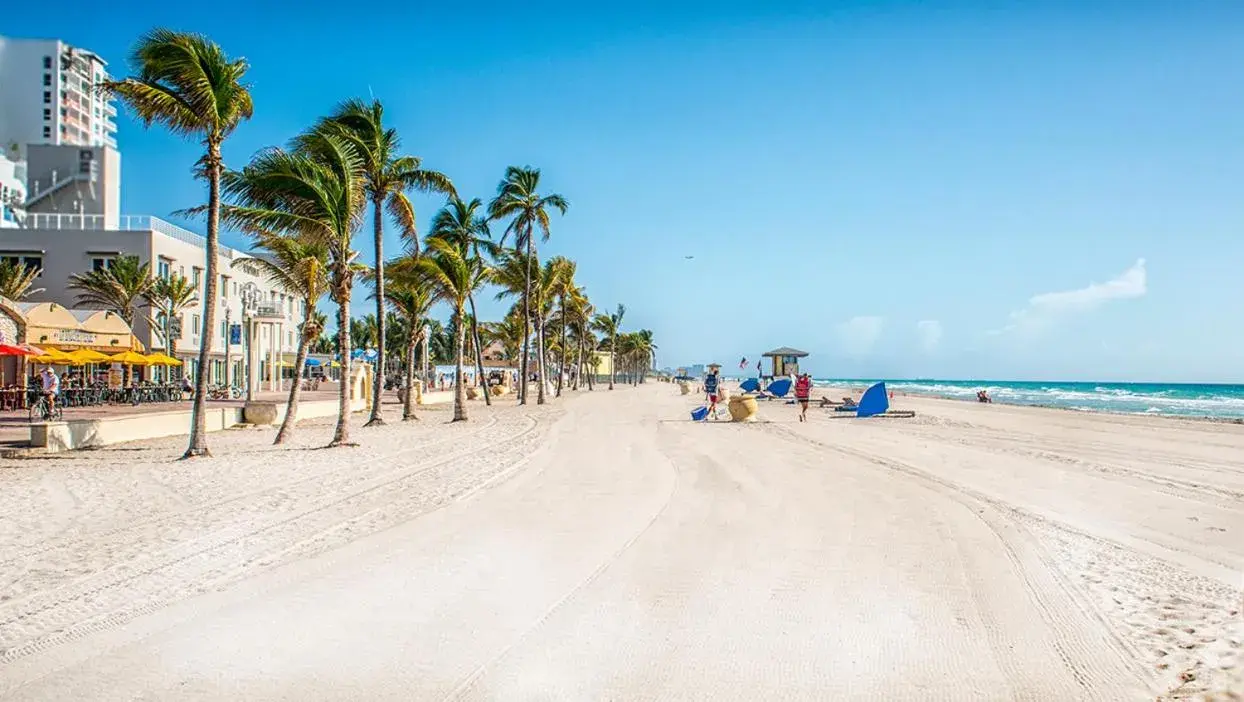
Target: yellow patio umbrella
column 56, row 357
column 88, row 356
column 160, row 359
column 132, row 358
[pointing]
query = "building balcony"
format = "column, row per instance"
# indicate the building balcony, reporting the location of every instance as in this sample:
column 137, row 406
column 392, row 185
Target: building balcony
column 125, row 223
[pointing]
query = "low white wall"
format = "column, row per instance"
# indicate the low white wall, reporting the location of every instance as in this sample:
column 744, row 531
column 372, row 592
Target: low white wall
column 85, row 433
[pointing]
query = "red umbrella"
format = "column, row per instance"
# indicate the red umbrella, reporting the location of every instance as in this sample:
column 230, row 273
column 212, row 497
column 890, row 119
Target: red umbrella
column 7, row 350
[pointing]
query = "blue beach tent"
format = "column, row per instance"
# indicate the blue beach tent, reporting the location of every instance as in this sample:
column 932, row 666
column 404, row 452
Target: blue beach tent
column 875, row 401
column 750, row 385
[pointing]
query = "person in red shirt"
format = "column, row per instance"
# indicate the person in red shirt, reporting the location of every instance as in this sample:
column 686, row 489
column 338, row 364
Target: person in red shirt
column 803, row 391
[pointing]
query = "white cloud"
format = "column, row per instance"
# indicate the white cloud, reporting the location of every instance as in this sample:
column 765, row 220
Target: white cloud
column 930, row 333
column 858, row 335
column 1047, row 309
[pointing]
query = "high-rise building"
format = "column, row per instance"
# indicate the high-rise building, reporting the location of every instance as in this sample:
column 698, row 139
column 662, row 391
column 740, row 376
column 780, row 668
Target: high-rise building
column 48, row 96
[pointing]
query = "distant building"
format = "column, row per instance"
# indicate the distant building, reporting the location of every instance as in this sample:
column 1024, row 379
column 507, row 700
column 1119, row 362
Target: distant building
column 12, row 191
column 49, row 96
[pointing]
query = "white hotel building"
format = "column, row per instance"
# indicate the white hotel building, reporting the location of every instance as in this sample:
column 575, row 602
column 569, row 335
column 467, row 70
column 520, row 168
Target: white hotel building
column 48, row 96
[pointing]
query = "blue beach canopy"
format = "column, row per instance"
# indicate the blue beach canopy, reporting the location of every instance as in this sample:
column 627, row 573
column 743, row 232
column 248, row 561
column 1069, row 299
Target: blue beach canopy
column 875, row 401
column 750, row 385
column 779, row 387
column 314, row 362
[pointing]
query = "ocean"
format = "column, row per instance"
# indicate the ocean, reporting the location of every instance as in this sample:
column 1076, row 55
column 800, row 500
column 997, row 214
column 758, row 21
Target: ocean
column 1176, row 399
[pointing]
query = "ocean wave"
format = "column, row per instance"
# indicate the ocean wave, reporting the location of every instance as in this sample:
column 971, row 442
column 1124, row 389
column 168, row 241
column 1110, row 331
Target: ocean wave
column 1209, row 401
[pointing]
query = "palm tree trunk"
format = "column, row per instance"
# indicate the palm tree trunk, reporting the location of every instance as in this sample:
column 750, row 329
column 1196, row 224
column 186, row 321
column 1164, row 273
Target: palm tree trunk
column 479, row 353
column 561, row 371
column 378, row 382
column 460, row 413
column 522, row 383
column 613, row 359
column 198, row 410
column 295, row 388
column 341, row 435
column 578, row 366
column 408, row 406
column 540, row 360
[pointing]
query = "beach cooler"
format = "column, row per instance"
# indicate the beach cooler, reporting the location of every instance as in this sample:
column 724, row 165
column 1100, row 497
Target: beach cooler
column 699, row 414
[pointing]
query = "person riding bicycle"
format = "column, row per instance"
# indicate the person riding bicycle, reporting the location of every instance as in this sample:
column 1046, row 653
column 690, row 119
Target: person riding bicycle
column 51, row 387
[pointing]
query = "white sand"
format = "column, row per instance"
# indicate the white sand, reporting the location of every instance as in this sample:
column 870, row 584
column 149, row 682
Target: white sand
column 594, row 550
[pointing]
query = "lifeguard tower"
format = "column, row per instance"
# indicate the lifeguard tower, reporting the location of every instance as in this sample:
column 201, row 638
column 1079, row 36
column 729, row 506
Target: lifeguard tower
column 785, row 361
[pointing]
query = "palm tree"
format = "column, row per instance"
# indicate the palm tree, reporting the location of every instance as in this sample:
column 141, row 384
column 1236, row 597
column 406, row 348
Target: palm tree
column 168, row 297
column 118, row 288
column 363, row 331
column 387, row 175
column 647, row 350
column 314, row 190
column 609, row 325
column 187, row 83
column 299, row 266
column 409, row 296
column 453, row 273
column 581, row 314
column 458, row 223
column 518, row 197
column 564, row 287
column 17, row 280
column 508, row 332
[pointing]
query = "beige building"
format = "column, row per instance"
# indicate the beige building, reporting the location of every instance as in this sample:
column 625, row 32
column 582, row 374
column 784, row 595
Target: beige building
column 63, row 245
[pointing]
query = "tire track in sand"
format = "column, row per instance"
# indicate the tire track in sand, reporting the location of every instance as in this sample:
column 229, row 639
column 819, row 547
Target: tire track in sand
column 101, row 601
column 1036, row 568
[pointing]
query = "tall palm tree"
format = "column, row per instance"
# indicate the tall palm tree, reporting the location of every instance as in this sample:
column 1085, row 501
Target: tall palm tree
column 454, row 274
column 458, row 223
column 581, row 315
column 315, row 191
column 647, row 350
column 387, row 175
column 17, row 280
column 411, row 298
column 118, row 288
column 610, row 325
column 518, row 197
column 187, row 83
column 299, row 265
column 168, row 297
column 563, row 288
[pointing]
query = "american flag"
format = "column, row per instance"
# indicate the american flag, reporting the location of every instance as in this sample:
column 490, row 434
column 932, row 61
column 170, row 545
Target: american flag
column 743, row 363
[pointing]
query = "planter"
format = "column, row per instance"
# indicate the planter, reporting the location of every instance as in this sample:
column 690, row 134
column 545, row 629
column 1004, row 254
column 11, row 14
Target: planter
column 742, row 408
column 259, row 412
column 498, row 390
column 684, row 388
column 472, row 393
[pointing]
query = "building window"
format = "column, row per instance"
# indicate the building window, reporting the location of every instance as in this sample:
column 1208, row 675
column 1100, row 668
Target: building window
column 35, row 262
column 47, row 62
column 196, row 278
column 47, row 79
column 195, row 324
column 164, row 268
column 224, row 286
column 47, row 132
column 291, row 339
column 47, row 113
column 99, row 263
column 47, row 97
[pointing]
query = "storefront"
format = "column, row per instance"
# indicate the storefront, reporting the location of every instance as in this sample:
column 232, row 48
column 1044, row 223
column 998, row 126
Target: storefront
column 51, row 326
column 12, row 332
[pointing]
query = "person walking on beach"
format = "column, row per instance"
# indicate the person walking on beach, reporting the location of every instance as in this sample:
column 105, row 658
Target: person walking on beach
column 710, row 388
column 803, row 392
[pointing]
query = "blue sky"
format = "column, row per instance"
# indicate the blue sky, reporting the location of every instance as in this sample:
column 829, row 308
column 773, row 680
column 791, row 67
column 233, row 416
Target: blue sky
column 904, row 191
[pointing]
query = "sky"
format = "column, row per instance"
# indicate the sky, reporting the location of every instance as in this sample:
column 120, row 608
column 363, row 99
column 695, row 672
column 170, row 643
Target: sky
column 1004, row 190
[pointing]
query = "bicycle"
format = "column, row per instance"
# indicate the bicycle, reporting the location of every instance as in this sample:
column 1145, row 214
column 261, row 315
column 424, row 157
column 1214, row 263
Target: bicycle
column 41, row 411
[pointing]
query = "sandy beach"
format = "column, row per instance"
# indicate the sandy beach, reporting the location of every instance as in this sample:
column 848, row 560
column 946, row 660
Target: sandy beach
column 605, row 547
